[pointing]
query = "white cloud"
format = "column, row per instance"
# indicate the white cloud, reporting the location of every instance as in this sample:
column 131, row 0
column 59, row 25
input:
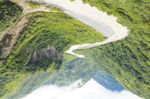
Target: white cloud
column 91, row 90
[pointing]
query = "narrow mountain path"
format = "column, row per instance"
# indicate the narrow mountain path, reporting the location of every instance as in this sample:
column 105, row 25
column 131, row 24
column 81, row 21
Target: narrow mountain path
column 28, row 9
column 113, row 38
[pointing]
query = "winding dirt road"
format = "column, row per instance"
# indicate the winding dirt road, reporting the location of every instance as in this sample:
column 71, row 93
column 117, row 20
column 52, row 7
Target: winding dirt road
column 113, row 38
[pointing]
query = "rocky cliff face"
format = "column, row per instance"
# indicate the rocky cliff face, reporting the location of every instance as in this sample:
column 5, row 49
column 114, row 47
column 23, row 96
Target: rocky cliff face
column 5, row 45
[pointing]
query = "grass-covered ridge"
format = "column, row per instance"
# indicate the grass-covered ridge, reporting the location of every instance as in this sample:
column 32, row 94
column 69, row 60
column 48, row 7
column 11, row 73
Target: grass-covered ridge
column 130, row 58
column 41, row 46
column 50, row 30
column 9, row 12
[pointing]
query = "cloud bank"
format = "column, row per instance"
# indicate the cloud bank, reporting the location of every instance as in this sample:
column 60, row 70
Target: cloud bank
column 91, row 90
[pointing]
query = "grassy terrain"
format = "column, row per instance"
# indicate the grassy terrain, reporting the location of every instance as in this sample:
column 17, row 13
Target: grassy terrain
column 50, row 30
column 129, row 58
column 33, row 4
column 9, row 12
column 41, row 46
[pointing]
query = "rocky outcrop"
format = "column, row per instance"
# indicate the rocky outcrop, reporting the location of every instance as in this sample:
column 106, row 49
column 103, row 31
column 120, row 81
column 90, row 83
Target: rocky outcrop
column 46, row 57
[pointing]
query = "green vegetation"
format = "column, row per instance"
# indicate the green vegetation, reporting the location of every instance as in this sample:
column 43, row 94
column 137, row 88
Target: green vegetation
column 41, row 46
column 43, row 42
column 9, row 12
column 33, row 4
column 49, row 30
column 129, row 58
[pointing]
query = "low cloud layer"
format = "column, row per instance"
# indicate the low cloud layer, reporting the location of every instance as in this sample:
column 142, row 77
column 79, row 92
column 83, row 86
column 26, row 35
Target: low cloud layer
column 91, row 90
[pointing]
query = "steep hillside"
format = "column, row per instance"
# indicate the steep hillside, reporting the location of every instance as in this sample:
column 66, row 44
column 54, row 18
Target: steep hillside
column 130, row 58
column 41, row 46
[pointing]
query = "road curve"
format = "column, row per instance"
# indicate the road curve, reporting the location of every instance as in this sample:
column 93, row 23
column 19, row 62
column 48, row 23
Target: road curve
column 28, row 9
column 91, row 16
column 113, row 38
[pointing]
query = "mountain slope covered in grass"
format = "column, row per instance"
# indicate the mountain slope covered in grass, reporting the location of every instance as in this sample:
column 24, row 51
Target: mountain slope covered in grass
column 129, row 58
column 40, row 47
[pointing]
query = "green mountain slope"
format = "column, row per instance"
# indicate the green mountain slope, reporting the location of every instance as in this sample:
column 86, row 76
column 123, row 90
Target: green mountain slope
column 40, row 47
column 130, row 58
column 9, row 12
